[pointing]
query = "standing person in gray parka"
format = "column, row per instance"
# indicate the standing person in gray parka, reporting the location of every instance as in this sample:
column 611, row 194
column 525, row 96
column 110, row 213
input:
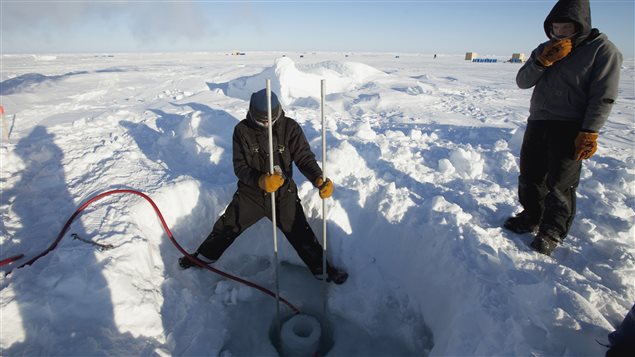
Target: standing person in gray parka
column 575, row 77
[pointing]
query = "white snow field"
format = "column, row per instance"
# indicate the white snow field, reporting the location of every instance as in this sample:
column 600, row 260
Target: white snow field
column 424, row 156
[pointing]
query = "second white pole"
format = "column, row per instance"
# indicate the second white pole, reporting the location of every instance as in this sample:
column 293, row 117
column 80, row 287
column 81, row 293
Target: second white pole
column 273, row 204
column 324, row 248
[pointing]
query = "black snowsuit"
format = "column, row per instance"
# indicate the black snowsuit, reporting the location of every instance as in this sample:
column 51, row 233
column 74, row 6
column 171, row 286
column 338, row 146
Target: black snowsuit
column 250, row 203
column 572, row 95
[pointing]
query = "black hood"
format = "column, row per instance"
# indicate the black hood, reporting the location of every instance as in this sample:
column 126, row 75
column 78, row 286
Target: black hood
column 577, row 11
column 258, row 107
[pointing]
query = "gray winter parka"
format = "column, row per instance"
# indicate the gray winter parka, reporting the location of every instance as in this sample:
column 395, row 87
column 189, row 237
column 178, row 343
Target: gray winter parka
column 581, row 87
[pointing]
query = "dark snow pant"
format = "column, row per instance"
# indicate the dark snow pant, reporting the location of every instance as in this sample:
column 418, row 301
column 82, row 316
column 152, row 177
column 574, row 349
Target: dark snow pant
column 247, row 208
column 622, row 340
column 549, row 175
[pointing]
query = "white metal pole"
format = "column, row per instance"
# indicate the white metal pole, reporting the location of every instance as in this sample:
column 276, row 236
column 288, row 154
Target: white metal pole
column 273, row 204
column 324, row 270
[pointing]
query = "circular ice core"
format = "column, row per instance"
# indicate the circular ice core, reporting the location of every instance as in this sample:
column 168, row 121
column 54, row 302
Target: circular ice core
column 300, row 336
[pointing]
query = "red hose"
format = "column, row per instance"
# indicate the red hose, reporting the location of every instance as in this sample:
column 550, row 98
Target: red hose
column 167, row 231
column 4, row 262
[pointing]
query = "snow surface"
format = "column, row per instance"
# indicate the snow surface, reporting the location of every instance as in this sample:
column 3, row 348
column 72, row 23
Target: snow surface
column 424, row 157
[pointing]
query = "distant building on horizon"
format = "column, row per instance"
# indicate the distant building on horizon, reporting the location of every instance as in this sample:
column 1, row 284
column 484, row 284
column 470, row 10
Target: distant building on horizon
column 470, row 56
column 518, row 57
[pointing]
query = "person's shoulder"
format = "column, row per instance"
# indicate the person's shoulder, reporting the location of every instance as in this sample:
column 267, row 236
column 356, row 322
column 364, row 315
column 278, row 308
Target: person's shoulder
column 241, row 124
column 608, row 43
column 242, row 127
column 289, row 121
column 604, row 46
column 600, row 40
column 297, row 128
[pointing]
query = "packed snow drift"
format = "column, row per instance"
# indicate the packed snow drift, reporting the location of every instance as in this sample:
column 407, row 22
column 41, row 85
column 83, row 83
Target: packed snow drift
column 424, row 156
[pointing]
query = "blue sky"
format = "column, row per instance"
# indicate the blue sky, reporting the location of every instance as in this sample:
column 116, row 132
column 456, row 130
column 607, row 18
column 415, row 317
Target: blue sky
column 496, row 27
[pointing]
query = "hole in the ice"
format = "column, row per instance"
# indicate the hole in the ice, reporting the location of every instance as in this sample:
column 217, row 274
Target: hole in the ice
column 303, row 329
column 301, row 335
column 390, row 331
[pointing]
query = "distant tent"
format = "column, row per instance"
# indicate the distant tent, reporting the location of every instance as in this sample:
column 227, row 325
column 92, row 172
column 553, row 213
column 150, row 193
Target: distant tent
column 470, row 56
column 485, row 60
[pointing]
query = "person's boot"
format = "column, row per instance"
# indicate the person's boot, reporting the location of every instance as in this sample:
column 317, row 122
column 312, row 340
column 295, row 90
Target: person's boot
column 336, row 275
column 544, row 243
column 186, row 263
column 521, row 223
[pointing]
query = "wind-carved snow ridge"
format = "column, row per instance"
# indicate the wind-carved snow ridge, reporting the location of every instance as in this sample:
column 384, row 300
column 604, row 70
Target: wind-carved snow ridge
column 291, row 82
column 29, row 81
column 423, row 154
column 299, row 84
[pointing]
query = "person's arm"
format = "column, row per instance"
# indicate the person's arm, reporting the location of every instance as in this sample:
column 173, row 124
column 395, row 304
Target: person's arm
column 603, row 88
column 302, row 155
column 531, row 71
column 243, row 171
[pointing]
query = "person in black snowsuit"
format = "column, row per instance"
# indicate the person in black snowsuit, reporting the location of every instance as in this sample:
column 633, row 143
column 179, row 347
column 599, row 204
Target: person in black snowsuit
column 575, row 77
column 252, row 200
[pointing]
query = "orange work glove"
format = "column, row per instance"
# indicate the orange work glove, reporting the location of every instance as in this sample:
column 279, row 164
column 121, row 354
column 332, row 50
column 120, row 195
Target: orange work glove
column 270, row 183
column 585, row 145
column 326, row 188
column 554, row 51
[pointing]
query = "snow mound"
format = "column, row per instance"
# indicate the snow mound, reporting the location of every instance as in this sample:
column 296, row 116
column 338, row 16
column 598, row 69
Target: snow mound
column 468, row 164
column 291, row 82
column 44, row 58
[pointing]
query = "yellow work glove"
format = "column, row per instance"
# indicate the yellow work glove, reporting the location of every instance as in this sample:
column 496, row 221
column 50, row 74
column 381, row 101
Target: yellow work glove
column 554, row 51
column 326, row 188
column 270, row 183
column 585, row 145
